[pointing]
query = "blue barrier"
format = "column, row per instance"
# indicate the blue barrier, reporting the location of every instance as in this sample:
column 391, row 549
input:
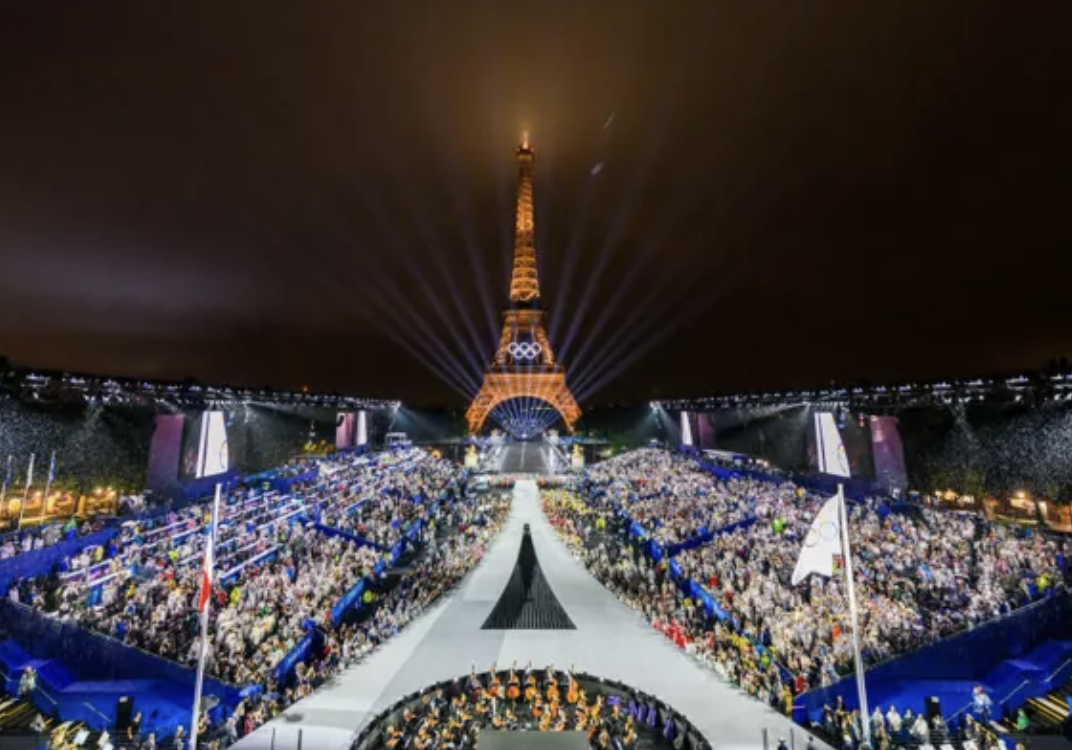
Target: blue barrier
column 352, row 599
column 360, row 541
column 93, row 657
column 855, row 489
column 297, row 655
column 701, row 539
column 40, row 561
column 263, row 477
column 196, row 489
column 347, row 601
column 967, row 656
column 266, row 555
column 284, row 484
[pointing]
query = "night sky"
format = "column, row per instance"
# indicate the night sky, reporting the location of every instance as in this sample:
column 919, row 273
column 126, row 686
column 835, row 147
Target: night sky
column 738, row 195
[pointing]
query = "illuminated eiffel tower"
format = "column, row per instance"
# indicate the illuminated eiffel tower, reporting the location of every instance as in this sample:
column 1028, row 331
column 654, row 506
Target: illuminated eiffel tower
column 524, row 366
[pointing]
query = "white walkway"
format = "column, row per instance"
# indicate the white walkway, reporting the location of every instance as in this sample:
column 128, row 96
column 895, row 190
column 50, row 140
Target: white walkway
column 610, row 641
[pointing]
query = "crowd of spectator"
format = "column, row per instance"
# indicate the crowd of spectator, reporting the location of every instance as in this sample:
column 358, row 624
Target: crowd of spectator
column 277, row 573
column 457, row 539
column 19, row 542
column 921, row 575
column 669, row 495
column 397, row 504
column 597, row 537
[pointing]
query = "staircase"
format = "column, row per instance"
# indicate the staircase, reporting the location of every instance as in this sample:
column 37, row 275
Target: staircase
column 87, row 703
column 16, row 716
column 1050, row 711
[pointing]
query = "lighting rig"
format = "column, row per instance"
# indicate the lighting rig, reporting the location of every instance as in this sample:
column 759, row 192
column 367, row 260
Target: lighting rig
column 1026, row 389
column 53, row 387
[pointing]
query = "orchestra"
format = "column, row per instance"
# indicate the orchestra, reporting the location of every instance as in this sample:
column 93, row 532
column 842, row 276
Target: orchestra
column 511, row 701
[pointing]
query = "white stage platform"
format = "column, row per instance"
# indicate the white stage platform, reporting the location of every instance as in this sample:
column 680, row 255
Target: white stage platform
column 610, row 641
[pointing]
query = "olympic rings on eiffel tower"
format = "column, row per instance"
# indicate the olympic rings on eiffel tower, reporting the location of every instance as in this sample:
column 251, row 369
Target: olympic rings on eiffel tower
column 524, row 350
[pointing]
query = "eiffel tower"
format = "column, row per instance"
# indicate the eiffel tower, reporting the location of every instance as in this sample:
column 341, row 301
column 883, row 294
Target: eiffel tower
column 524, row 365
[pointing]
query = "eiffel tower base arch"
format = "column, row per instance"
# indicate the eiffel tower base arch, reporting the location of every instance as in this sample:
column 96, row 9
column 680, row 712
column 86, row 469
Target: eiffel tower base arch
column 549, row 387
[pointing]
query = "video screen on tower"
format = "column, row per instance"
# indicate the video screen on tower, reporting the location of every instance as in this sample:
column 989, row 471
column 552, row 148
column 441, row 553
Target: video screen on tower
column 207, row 451
column 841, row 444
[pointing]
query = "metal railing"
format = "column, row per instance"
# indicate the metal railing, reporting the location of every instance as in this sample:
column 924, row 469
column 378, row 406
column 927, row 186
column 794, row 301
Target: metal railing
column 1057, row 671
column 1003, row 703
column 42, row 691
column 107, row 721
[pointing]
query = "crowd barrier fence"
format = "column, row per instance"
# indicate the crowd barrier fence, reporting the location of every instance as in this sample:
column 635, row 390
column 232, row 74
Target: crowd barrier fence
column 964, row 656
column 40, row 561
column 85, row 655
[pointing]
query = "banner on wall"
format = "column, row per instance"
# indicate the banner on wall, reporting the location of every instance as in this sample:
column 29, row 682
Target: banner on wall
column 686, row 430
column 704, row 434
column 362, row 428
column 165, row 452
column 344, row 430
column 888, row 450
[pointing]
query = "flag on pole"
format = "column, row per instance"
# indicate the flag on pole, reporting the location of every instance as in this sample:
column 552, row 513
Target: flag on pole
column 822, row 543
column 7, row 475
column 29, row 473
column 208, row 573
column 52, row 468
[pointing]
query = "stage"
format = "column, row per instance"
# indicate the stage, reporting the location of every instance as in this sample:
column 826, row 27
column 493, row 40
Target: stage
column 527, row 458
column 610, row 640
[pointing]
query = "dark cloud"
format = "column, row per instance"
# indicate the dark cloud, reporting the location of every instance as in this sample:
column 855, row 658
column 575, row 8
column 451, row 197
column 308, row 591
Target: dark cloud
column 321, row 192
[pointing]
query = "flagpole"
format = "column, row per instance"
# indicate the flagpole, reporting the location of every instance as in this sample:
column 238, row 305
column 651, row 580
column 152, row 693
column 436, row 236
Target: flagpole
column 26, row 492
column 861, row 687
column 48, row 486
column 210, row 554
column 3, row 490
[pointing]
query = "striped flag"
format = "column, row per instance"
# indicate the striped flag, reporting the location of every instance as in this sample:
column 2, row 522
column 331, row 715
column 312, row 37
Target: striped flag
column 208, row 572
column 29, row 473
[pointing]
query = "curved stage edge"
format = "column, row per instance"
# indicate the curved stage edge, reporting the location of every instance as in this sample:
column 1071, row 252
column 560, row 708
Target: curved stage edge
column 650, row 714
column 610, row 640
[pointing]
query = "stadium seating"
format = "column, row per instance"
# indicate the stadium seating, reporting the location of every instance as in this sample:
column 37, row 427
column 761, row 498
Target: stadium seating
column 965, row 599
column 96, row 622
